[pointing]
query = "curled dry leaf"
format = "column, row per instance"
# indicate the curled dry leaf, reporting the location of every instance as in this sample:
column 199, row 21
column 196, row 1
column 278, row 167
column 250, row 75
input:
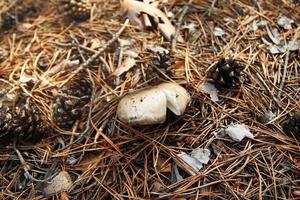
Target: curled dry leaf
column 151, row 17
column 157, row 49
column 61, row 182
column 211, row 90
column 149, row 106
column 285, row 22
column 196, row 158
column 277, row 44
column 219, row 32
column 259, row 24
column 237, row 132
column 128, row 63
column 24, row 78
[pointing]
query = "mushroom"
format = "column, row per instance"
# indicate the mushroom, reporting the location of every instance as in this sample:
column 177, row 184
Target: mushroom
column 177, row 97
column 149, row 106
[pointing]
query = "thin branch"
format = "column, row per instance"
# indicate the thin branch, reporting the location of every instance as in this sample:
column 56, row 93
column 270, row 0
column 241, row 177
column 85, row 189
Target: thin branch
column 178, row 25
column 286, row 62
column 26, row 167
column 97, row 54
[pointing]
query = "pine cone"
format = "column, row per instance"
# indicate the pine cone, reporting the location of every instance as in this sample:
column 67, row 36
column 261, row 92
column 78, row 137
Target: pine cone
column 18, row 116
column 7, row 22
column 77, row 9
column 18, row 10
column 227, row 73
column 71, row 105
column 162, row 60
column 292, row 125
column 163, row 63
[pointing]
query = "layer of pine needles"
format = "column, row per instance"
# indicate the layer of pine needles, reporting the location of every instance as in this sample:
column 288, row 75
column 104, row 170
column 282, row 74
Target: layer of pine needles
column 114, row 161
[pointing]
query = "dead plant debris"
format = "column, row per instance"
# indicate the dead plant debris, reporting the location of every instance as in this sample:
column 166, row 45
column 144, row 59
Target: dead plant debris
column 64, row 70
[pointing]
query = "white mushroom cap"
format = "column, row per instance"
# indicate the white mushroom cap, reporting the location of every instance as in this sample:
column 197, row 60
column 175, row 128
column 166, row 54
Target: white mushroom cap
column 143, row 107
column 149, row 106
column 177, row 97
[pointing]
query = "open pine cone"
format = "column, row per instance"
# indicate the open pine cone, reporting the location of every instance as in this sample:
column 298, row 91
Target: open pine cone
column 162, row 60
column 292, row 125
column 71, row 105
column 19, row 116
column 227, row 73
column 77, row 9
column 14, row 11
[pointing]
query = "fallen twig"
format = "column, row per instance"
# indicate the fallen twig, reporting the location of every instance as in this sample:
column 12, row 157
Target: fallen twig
column 97, row 54
column 178, row 25
column 286, row 62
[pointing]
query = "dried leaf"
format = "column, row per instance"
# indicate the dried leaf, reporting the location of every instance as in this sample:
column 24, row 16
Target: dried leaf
column 285, row 22
column 96, row 43
column 23, row 27
column 293, row 45
column 196, row 158
column 219, row 32
column 24, row 78
column 125, row 42
column 201, row 154
column 211, row 90
column 61, row 182
column 191, row 161
column 88, row 161
column 134, row 9
column 259, row 24
column 157, row 49
column 274, row 49
column 237, row 132
column 191, row 26
column 131, row 53
column 274, row 35
column 266, row 117
column 229, row 19
column 128, row 63
column 64, row 196
column 156, row 187
column 178, row 68
column 177, row 177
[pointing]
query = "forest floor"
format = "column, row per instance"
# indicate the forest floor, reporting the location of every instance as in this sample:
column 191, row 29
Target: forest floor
column 46, row 55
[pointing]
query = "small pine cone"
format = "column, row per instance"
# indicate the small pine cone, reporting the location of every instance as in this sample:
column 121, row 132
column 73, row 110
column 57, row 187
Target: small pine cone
column 162, row 60
column 163, row 64
column 292, row 125
column 227, row 73
column 7, row 22
column 77, row 9
column 18, row 10
column 18, row 116
column 71, row 105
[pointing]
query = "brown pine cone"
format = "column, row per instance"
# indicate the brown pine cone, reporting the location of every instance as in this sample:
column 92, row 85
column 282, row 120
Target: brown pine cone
column 77, row 9
column 292, row 125
column 19, row 116
column 71, row 105
column 14, row 11
column 162, row 60
column 227, row 73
